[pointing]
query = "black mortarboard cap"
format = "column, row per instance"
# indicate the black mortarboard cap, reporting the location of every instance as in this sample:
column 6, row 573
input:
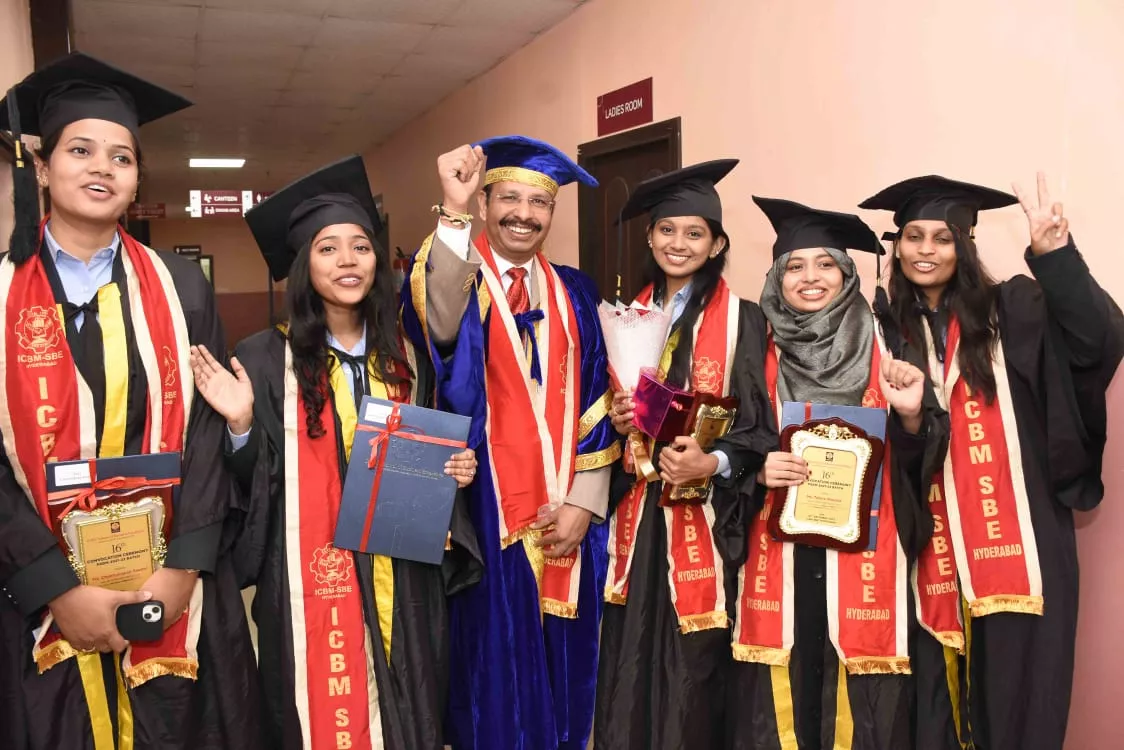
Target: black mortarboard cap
column 287, row 221
column 688, row 191
column 799, row 227
column 75, row 87
column 938, row 198
column 80, row 87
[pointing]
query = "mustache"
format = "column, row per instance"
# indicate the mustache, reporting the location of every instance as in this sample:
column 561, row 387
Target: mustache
column 511, row 221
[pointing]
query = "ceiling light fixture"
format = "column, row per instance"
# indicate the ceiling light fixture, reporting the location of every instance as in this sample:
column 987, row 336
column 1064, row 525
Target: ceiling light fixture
column 216, row 163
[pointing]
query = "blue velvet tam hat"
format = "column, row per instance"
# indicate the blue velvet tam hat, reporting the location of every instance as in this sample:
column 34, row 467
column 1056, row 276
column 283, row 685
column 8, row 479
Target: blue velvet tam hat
column 517, row 158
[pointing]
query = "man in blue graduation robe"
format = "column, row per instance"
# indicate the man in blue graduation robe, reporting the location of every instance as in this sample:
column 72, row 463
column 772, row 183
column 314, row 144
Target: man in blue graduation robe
column 518, row 347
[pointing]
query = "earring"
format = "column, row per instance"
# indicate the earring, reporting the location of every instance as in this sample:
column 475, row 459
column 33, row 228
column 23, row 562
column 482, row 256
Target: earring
column 649, row 243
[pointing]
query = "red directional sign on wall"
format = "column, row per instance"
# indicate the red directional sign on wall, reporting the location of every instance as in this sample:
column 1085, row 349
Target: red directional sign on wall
column 625, row 108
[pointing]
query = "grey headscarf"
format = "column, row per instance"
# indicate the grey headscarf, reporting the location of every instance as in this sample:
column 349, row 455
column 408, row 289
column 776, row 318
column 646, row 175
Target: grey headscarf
column 824, row 356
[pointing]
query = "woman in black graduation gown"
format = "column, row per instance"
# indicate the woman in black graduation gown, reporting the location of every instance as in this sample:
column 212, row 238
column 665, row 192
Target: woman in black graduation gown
column 291, row 413
column 1023, row 366
column 821, row 637
column 109, row 378
column 665, row 653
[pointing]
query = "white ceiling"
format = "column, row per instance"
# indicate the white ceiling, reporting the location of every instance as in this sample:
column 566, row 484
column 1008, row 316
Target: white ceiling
column 294, row 84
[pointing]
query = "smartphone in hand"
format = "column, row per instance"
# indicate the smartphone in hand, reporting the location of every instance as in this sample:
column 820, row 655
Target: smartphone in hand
column 143, row 621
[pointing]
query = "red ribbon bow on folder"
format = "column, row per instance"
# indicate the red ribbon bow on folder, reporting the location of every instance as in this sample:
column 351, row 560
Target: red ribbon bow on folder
column 86, row 498
column 380, row 446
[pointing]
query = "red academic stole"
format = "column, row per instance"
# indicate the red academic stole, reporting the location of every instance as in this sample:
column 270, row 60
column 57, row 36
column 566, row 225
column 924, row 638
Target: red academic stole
column 533, row 447
column 695, row 572
column 866, row 591
column 336, row 695
column 48, row 399
column 984, row 493
column 934, row 576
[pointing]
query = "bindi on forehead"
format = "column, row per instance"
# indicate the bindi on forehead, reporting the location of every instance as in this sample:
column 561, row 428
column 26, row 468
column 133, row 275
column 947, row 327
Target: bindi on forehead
column 100, row 141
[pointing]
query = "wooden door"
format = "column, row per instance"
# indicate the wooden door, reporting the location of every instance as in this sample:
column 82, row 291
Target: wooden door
column 609, row 249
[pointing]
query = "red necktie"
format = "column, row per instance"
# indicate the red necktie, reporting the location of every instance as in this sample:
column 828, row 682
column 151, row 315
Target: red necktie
column 518, row 301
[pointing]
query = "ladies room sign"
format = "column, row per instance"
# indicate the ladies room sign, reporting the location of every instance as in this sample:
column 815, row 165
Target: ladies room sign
column 625, row 108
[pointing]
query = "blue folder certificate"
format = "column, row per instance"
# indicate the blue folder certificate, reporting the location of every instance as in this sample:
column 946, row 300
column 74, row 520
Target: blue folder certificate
column 397, row 499
column 873, row 421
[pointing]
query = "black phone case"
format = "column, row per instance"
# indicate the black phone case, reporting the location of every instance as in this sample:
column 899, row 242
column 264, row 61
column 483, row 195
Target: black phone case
column 133, row 625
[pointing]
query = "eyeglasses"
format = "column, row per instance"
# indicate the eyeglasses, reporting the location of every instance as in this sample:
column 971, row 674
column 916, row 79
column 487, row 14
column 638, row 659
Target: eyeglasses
column 536, row 203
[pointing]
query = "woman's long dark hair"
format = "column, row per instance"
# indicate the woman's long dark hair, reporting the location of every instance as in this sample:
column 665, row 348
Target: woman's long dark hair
column 308, row 333
column 703, row 284
column 971, row 297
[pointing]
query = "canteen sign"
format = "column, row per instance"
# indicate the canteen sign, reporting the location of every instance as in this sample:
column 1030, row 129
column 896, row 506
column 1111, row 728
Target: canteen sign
column 624, row 108
column 205, row 203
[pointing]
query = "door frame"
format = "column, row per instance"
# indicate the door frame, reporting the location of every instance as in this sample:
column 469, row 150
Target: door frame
column 669, row 130
column 665, row 129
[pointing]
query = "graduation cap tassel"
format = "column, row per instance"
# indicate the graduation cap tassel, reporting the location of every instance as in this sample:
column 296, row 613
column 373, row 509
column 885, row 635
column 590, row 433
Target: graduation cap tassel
column 878, row 268
column 891, row 334
column 25, row 234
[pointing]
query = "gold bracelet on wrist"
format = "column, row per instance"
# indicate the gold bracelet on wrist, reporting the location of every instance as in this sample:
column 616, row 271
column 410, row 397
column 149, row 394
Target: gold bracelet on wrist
column 458, row 219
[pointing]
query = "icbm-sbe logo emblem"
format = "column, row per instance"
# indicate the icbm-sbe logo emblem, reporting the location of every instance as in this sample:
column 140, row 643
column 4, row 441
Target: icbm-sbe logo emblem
column 38, row 329
column 330, row 566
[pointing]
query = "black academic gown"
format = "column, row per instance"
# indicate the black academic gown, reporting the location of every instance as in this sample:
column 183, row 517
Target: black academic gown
column 880, row 706
column 48, row 711
column 657, row 688
column 1063, row 338
column 413, row 687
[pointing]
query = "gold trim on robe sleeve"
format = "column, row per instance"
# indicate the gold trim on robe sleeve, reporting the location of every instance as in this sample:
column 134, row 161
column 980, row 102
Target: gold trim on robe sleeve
column 591, row 461
column 417, row 284
column 594, row 414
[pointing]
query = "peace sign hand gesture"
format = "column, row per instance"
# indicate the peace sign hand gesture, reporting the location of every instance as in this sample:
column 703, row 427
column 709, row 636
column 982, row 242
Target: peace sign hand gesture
column 1049, row 229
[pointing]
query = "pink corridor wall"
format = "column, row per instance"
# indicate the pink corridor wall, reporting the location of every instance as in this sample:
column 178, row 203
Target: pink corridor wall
column 825, row 102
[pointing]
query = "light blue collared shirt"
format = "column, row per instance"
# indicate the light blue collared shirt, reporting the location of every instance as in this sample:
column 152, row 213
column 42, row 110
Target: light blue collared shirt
column 679, row 302
column 360, row 348
column 81, row 280
column 678, row 305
